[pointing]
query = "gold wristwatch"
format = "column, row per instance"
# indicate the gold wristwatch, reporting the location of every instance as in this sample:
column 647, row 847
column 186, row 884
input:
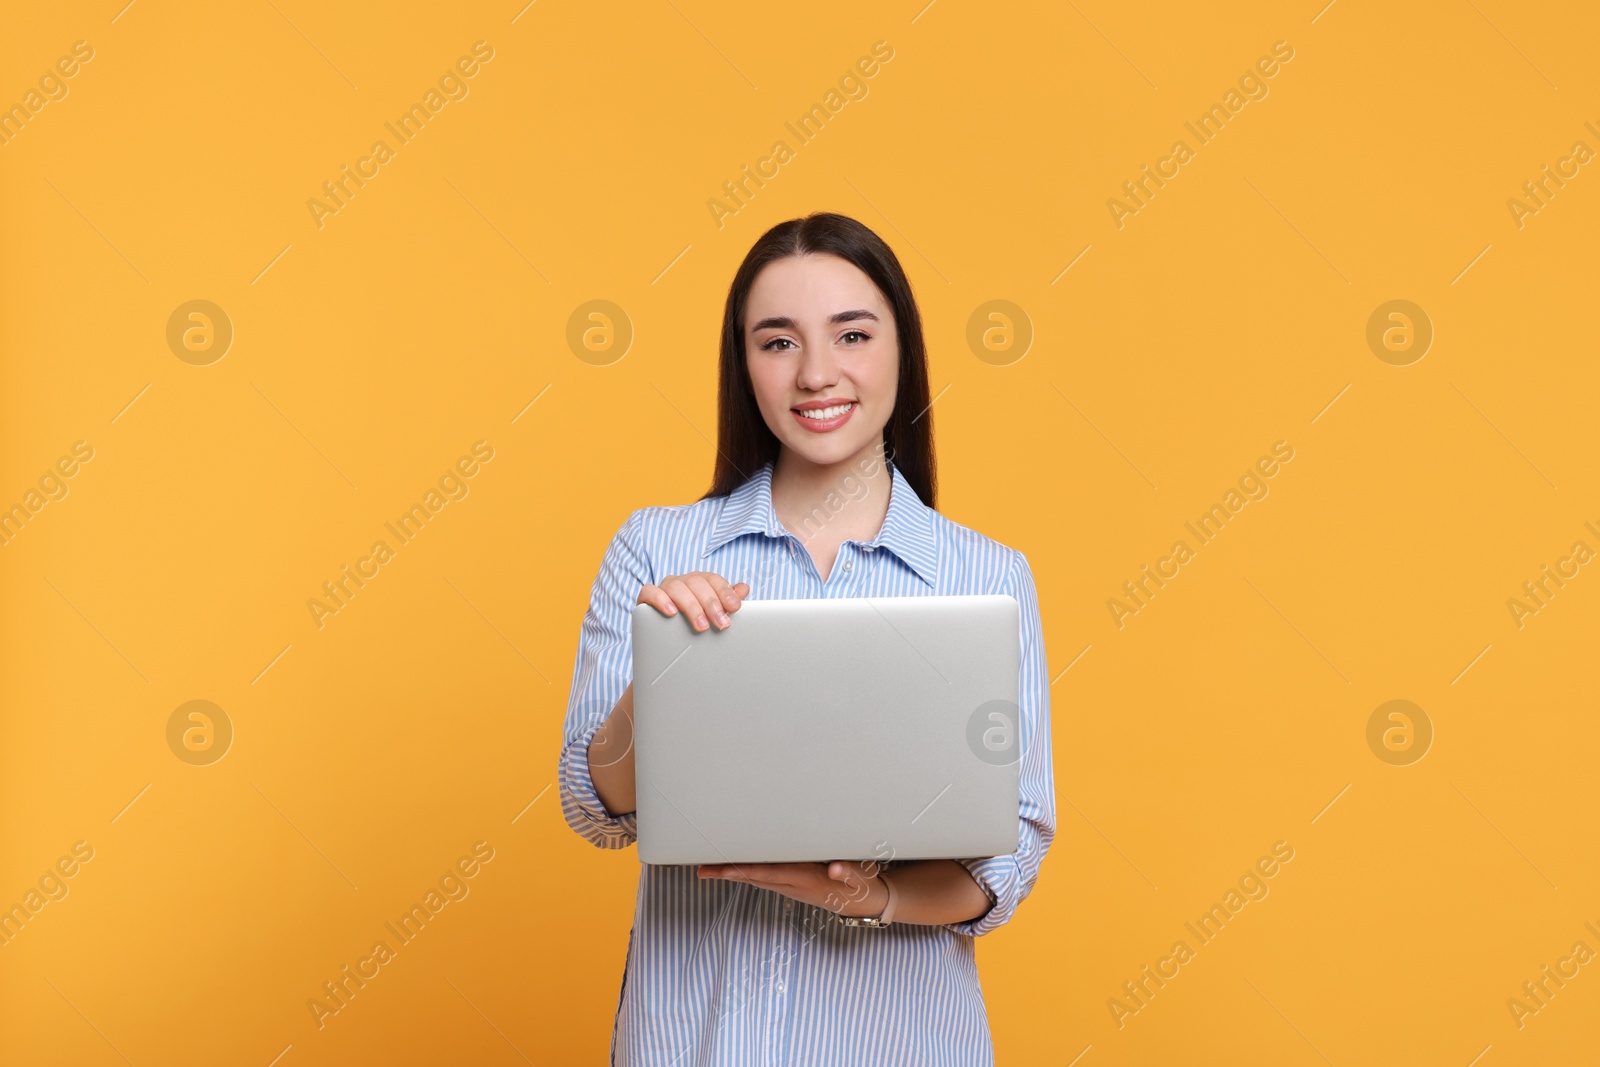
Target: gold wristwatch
column 879, row 921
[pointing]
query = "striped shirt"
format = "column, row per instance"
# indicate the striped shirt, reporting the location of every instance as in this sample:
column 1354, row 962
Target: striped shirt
column 726, row 973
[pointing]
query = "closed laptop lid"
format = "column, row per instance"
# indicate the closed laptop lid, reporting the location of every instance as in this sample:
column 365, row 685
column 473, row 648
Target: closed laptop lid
column 821, row 729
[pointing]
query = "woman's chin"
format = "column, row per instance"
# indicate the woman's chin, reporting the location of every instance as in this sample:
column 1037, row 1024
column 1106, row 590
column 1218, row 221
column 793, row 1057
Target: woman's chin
column 826, row 450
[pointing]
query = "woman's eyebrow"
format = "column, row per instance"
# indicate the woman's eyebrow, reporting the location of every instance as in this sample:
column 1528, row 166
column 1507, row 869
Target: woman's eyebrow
column 784, row 322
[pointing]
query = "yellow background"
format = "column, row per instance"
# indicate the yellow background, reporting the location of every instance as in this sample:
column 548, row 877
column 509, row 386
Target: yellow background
column 370, row 353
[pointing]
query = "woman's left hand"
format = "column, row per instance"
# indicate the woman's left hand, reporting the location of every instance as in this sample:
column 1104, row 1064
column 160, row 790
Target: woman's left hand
column 845, row 887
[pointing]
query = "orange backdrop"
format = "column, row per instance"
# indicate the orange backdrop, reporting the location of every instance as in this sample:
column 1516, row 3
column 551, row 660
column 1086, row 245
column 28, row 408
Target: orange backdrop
column 1307, row 290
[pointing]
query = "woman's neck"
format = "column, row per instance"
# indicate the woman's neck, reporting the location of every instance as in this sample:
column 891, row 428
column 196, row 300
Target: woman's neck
column 832, row 503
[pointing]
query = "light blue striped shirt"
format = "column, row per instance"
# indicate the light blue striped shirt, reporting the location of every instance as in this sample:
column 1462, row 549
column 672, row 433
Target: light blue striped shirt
column 725, row 973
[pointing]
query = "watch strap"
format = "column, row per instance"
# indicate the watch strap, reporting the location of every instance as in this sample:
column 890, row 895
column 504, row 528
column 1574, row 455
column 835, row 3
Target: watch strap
column 884, row 918
column 894, row 898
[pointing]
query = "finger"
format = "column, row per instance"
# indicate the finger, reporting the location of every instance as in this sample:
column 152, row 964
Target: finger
column 711, row 604
column 687, row 602
column 760, row 879
column 761, row 874
column 794, row 872
column 851, row 877
column 729, row 871
column 725, row 592
column 848, row 877
column 790, row 875
column 705, row 585
column 657, row 598
column 718, row 870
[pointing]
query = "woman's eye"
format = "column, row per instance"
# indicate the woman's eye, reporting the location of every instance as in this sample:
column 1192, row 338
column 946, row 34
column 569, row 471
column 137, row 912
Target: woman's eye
column 855, row 333
column 775, row 341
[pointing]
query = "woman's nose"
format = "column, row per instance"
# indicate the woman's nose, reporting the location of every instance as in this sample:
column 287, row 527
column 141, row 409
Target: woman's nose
column 818, row 369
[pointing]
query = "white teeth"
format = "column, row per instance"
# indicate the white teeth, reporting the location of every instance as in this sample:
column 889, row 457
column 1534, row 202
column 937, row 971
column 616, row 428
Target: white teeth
column 827, row 413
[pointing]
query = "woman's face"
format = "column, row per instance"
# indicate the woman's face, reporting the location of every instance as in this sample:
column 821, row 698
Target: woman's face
column 824, row 356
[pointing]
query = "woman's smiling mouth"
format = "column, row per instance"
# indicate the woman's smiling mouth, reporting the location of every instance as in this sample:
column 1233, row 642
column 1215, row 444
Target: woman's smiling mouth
column 822, row 416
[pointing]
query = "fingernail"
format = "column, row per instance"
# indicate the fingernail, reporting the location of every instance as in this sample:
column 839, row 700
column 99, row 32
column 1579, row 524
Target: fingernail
column 671, row 609
column 722, row 617
column 700, row 622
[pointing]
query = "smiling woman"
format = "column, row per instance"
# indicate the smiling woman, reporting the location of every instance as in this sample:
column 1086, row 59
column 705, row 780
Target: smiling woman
column 823, row 376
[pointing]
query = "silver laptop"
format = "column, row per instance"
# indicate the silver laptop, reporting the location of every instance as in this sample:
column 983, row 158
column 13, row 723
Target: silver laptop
column 828, row 729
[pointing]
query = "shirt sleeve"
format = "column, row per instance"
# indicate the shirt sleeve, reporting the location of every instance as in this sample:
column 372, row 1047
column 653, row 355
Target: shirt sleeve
column 1009, row 879
column 603, row 670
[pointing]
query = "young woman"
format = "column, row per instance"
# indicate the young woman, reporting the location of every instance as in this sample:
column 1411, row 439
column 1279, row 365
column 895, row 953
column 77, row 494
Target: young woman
column 824, row 487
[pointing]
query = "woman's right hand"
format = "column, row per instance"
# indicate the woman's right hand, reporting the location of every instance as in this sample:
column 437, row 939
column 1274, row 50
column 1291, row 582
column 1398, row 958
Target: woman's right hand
column 699, row 595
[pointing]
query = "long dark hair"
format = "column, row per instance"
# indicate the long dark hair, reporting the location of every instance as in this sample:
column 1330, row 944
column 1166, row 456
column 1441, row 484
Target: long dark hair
column 744, row 442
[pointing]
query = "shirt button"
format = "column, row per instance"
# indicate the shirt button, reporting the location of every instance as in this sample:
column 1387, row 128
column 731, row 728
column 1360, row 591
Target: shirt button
column 869, row 548
column 780, row 987
column 849, row 564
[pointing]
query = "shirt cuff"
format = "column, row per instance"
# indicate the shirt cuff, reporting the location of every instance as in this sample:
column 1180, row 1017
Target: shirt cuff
column 998, row 877
column 581, row 804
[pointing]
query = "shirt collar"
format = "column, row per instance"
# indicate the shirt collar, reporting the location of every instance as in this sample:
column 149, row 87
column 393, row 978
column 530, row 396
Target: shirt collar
column 907, row 528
